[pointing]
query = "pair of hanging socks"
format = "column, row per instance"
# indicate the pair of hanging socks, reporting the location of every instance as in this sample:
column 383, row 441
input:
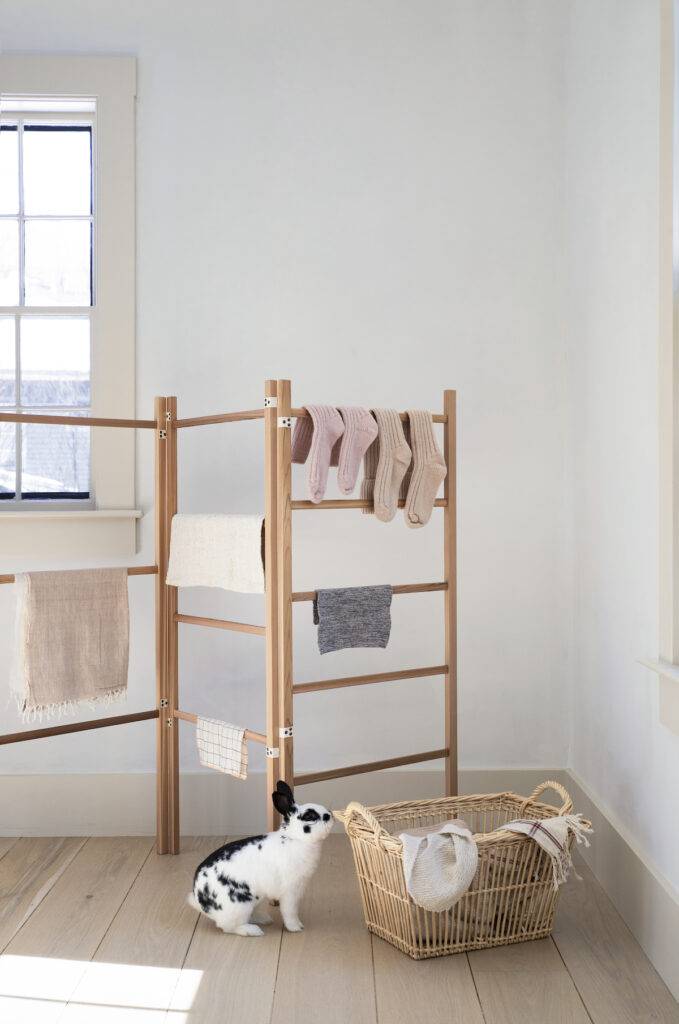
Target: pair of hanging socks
column 314, row 437
column 428, row 472
column 392, row 466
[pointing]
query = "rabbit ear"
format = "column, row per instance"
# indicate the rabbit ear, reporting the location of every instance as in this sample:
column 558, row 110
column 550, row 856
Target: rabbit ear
column 283, row 803
column 282, row 787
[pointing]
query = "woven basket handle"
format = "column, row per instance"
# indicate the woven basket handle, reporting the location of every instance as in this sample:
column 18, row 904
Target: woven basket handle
column 354, row 808
column 565, row 808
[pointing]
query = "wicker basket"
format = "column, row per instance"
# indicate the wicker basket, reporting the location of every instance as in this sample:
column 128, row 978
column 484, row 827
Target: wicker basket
column 511, row 899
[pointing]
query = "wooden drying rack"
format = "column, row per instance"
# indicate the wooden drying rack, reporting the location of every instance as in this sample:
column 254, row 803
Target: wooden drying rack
column 278, row 414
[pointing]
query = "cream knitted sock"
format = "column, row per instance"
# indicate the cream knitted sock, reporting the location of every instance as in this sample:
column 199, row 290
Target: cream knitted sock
column 328, row 427
column 370, row 460
column 393, row 463
column 405, row 482
column 429, row 469
column 360, row 430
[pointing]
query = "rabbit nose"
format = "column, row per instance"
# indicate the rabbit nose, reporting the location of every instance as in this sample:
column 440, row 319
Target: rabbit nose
column 326, row 817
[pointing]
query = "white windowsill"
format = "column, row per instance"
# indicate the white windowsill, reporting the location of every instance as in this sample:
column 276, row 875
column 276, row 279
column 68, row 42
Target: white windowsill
column 75, row 513
column 664, row 668
column 668, row 691
column 47, row 537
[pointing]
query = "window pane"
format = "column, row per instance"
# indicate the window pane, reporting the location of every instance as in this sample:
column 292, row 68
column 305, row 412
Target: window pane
column 7, row 383
column 57, row 169
column 9, row 262
column 58, row 263
column 9, row 170
column 7, row 460
column 55, row 461
column 55, row 361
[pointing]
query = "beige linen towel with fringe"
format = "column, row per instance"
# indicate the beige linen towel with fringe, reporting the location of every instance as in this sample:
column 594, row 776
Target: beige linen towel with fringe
column 72, row 640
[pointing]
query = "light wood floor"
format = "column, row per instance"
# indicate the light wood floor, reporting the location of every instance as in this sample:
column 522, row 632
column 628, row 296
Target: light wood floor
column 97, row 931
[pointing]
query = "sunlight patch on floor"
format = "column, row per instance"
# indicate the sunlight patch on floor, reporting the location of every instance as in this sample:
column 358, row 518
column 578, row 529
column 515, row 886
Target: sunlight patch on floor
column 43, row 990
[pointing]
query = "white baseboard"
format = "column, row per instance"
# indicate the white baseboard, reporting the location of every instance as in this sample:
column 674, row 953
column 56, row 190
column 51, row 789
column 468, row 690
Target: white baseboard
column 212, row 804
column 646, row 901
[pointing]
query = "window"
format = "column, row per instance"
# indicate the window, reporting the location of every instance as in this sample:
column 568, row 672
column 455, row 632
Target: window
column 67, row 304
column 47, row 229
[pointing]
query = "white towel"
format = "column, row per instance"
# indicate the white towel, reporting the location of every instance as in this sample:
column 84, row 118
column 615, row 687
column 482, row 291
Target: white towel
column 552, row 835
column 217, row 551
column 439, row 864
column 222, row 746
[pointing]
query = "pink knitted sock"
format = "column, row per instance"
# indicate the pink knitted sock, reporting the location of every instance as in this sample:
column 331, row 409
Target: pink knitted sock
column 300, row 444
column 393, row 465
column 327, row 428
column 360, row 430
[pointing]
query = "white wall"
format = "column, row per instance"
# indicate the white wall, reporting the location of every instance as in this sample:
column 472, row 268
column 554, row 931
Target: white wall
column 367, row 198
column 628, row 761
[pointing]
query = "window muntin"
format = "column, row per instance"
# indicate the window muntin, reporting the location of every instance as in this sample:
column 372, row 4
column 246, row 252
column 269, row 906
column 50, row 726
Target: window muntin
column 47, row 228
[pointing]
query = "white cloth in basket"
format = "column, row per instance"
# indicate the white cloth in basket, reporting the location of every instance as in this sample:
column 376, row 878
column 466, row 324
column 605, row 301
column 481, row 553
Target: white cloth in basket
column 222, row 746
column 439, row 863
column 552, row 835
column 217, row 550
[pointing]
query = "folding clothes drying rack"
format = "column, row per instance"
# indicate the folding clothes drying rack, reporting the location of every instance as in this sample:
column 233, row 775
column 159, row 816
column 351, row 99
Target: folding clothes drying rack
column 278, row 415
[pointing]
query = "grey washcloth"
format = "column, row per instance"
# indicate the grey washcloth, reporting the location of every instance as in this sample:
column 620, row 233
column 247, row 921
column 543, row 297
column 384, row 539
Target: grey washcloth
column 352, row 617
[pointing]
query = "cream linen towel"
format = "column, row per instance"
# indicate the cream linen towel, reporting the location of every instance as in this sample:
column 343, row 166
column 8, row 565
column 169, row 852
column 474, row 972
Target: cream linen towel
column 222, row 746
column 439, row 863
column 217, row 551
column 72, row 640
column 552, row 835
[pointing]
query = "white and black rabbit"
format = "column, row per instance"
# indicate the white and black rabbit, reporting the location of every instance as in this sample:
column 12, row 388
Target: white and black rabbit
column 232, row 881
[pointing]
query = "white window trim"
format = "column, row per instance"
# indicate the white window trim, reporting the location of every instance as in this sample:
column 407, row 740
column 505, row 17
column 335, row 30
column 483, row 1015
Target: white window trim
column 112, row 82
column 666, row 664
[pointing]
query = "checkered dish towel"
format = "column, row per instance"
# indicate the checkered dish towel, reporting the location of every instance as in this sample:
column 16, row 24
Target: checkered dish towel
column 552, row 835
column 222, row 746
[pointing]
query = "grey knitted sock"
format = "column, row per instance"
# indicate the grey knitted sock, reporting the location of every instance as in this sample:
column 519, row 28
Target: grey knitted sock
column 393, row 463
column 429, row 469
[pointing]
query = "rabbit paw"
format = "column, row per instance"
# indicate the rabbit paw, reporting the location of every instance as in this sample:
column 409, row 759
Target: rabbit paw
column 294, row 926
column 248, row 929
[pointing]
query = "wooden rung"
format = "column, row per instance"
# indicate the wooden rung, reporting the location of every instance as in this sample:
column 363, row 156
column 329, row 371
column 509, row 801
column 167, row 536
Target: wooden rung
column 349, row 503
column 222, row 417
column 379, row 677
column 75, row 421
column 436, row 416
column 60, row 730
column 186, row 716
column 371, row 766
column 236, row 627
column 399, row 588
column 132, row 570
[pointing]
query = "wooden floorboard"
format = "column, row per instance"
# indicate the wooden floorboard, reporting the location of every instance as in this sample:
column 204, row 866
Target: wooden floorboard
column 66, row 929
column 325, row 973
column 28, row 871
column 226, row 979
column 526, row 983
column 138, row 962
column 616, row 980
column 436, row 991
column 6, row 844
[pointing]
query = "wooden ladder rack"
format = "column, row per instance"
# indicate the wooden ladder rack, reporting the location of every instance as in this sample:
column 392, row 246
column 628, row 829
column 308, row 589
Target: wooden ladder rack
column 277, row 414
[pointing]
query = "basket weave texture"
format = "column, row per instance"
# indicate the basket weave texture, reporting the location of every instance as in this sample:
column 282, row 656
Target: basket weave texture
column 511, row 899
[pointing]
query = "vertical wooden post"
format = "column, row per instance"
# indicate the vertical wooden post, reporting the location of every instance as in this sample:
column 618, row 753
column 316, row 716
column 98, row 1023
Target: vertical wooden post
column 171, row 631
column 162, row 732
column 450, row 597
column 283, row 499
column 271, row 593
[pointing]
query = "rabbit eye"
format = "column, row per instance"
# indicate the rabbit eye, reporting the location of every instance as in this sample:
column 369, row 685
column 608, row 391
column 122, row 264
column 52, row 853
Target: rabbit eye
column 310, row 815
